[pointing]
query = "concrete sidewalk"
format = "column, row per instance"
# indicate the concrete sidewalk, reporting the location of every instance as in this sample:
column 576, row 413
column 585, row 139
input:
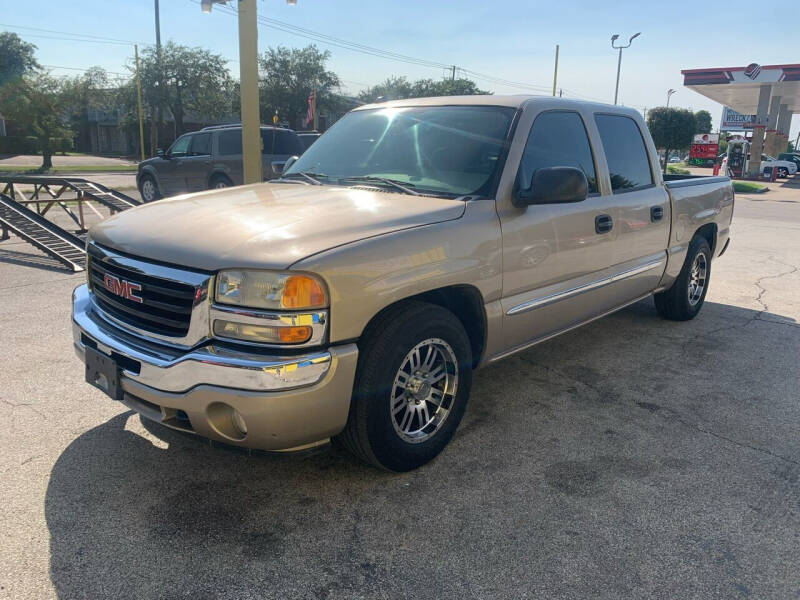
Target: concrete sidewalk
column 87, row 160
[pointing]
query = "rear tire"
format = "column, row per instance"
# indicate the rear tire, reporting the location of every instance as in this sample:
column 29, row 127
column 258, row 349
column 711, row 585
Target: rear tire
column 412, row 384
column 685, row 298
column 219, row 182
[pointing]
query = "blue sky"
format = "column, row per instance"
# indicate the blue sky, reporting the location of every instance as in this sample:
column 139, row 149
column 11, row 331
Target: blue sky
column 513, row 40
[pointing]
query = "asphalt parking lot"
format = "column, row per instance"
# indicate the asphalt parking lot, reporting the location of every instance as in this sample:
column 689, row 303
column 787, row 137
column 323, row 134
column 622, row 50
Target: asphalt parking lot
column 632, row 458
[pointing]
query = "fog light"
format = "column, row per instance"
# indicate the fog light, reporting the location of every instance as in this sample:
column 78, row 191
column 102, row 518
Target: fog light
column 238, row 422
column 267, row 334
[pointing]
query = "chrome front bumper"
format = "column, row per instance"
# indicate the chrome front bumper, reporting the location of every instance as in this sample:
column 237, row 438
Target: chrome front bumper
column 287, row 402
column 174, row 370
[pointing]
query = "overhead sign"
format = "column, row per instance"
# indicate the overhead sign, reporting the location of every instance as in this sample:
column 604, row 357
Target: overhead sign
column 734, row 121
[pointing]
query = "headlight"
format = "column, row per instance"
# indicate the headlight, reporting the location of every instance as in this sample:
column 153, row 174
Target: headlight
column 265, row 289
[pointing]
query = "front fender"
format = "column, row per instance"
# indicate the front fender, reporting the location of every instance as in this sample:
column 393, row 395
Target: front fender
column 367, row 276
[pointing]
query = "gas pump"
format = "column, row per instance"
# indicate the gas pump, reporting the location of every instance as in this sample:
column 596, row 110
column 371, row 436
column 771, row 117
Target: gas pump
column 738, row 156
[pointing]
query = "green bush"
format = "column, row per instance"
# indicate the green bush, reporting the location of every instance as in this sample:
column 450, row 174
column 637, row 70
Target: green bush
column 30, row 145
column 18, row 145
column 677, row 170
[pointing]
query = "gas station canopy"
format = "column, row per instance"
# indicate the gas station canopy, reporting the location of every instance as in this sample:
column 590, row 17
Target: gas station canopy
column 770, row 92
column 739, row 87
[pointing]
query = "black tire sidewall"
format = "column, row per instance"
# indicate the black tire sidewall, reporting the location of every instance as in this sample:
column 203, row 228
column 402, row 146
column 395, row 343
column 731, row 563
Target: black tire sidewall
column 697, row 245
column 377, row 377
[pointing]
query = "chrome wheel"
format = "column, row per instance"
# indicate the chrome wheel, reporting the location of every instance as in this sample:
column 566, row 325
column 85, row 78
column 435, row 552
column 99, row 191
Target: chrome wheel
column 148, row 190
column 697, row 278
column 423, row 390
column 220, row 184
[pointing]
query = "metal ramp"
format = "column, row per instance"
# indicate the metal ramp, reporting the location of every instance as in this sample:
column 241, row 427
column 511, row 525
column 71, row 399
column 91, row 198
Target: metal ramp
column 53, row 189
column 62, row 245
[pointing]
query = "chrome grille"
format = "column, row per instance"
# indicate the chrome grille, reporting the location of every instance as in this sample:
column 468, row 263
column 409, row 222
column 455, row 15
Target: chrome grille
column 167, row 305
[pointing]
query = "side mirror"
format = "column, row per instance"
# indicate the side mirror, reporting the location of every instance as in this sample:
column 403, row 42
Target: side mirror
column 161, row 154
column 554, row 185
column 289, row 162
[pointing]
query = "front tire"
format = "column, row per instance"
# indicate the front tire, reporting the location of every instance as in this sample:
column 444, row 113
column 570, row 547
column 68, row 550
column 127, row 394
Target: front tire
column 685, row 298
column 783, row 172
column 149, row 189
column 412, row 384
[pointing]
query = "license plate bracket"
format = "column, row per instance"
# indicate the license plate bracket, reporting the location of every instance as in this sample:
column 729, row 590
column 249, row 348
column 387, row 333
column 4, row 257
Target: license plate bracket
column 103, row 373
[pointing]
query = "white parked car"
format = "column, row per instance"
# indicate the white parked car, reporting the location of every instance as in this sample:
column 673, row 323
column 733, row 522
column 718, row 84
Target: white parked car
column 784, row 167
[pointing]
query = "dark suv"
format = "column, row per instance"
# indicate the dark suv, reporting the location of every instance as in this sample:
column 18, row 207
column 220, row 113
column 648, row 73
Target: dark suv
column 212, row 158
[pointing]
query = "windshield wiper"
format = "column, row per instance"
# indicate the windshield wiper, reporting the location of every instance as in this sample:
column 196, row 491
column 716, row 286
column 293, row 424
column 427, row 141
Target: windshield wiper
column 308, row 176
column 402, row 186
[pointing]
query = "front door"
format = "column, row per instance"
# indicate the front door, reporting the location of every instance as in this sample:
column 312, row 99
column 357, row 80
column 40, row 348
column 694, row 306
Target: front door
column 171, row 176
column 196, row 166
column 554, row 255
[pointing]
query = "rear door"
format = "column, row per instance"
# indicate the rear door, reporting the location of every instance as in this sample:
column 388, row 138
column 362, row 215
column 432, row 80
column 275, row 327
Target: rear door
column 196, row 166
column 229, row 154
column 641, row 203
column 555, row 256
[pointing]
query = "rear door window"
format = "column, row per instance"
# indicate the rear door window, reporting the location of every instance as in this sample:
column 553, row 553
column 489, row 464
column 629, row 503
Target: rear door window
column 557, row 139
column 230, row 142
column 201, row 144
column 626, row 153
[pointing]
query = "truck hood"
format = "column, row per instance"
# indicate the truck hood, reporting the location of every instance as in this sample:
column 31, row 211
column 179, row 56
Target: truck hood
column 266, row 226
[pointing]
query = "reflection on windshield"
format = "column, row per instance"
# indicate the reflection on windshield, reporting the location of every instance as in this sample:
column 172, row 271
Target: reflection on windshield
column 434, row 149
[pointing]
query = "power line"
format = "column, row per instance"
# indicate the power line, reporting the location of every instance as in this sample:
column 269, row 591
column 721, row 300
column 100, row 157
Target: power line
column 87, row 70
column 82, row 35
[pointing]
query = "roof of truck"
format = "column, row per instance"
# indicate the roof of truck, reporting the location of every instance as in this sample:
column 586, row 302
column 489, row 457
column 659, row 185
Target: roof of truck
column 513, row 101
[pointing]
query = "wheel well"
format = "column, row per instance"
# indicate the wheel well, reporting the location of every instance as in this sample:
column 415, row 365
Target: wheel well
column 709, row 231
column 466, row 303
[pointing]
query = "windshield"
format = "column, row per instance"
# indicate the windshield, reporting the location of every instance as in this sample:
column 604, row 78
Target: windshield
column 436, row 149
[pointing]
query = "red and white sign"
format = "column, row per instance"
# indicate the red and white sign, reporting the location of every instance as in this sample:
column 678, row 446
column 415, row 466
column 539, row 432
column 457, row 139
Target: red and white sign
column 704, row 145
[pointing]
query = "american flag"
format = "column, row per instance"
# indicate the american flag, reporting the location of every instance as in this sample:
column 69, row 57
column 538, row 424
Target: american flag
column 310, row 111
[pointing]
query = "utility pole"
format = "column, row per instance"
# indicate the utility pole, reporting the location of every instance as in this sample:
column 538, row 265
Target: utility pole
column 155, row 123
column 139, row 100
column 619, row 60
column 555, row 72
column 453, row 76
column 314, row 108
column 248, row 75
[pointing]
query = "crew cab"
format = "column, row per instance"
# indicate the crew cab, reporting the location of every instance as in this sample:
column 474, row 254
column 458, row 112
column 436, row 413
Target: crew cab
column 414, row 242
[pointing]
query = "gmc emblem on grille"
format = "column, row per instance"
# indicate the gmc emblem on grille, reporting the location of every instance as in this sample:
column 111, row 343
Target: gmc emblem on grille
column 123, row 288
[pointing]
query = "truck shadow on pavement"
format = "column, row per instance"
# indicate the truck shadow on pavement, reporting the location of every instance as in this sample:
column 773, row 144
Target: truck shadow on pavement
column 630, row 457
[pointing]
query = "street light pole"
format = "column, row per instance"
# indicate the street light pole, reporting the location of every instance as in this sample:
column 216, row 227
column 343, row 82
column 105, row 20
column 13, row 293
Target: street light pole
column 619, row 60
column 670, row 91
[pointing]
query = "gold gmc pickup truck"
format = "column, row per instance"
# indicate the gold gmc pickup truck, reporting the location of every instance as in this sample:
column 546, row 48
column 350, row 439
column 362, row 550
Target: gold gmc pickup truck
column 414, row 242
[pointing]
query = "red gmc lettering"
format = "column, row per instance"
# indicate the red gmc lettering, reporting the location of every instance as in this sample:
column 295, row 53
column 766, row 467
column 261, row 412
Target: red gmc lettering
column 120, row 287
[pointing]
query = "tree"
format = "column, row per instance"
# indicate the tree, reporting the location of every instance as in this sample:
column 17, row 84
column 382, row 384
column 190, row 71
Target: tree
column 287, row 77
column 83, row 93
column 703, row 121
column 36, row 103
column 16, row 57
column 671, row 128
column 194, row 80
column 395, row 88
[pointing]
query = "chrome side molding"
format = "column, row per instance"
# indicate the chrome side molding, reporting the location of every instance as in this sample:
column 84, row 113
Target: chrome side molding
column 580, row 289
